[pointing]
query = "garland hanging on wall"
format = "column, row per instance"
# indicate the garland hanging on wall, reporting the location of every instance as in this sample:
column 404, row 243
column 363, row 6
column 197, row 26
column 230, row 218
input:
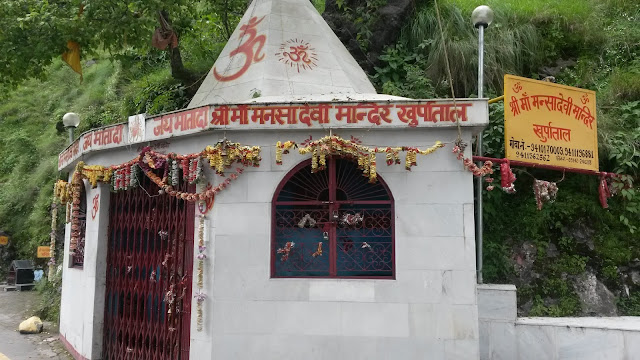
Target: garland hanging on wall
column 126, row 176
column 200, row 296
column 366, row 156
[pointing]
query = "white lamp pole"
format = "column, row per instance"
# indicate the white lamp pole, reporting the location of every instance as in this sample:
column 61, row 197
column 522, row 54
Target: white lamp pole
column 71, row 121
column 481, row 17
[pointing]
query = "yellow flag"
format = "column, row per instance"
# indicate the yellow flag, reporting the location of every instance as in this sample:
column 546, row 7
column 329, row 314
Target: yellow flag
column 72, row 57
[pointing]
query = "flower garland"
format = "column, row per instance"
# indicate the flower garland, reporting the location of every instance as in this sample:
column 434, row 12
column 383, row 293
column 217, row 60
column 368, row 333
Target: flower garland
column 200, row 283
column 366, row 156
column 76, row 193
column 225, row 153
column 507, row 178
column 486, row 169
column 95, row 173
column 62, row 191
column 545, row 191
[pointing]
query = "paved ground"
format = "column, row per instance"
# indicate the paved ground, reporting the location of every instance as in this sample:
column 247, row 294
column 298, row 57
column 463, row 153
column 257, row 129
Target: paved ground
column 15, row 307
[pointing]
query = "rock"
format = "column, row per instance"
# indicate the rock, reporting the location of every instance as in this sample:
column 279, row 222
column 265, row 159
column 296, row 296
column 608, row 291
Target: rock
column 635, row 277
column 32, row 325
column 523, row 259
column 581, row 232
column 596, row 299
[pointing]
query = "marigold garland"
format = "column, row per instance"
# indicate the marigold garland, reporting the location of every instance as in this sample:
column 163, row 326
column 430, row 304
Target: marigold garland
column 365, row 156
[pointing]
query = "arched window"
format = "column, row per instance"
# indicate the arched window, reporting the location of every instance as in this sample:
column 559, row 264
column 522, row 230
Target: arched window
column 332, row 223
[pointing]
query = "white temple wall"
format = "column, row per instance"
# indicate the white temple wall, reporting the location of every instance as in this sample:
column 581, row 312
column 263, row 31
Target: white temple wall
column 429, row 310
column 82, row 304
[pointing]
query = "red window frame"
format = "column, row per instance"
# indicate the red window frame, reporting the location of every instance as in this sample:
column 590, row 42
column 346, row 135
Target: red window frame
column 333, row 205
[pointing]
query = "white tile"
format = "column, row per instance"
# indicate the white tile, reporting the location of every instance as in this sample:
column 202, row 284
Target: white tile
column 375, row 319
column 411, row 286
column 459, row 287
column 461, row 349
column 431, row 253
column 243, row 218
column 589, row 344
column 536, row 342
column 497, row 304
column 341, row 290
column 431, row 220
column 503, row 341
column 308, row 318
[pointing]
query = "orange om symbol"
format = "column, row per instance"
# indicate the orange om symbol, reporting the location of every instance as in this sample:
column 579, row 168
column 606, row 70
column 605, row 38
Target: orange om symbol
column 246, row 48
column 298, row 53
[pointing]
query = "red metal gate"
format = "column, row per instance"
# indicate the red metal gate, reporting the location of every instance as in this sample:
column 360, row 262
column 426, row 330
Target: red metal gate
column 149, row 269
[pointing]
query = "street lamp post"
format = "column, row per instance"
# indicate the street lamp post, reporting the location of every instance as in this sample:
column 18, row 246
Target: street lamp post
column 481, row 17
column 71, row 121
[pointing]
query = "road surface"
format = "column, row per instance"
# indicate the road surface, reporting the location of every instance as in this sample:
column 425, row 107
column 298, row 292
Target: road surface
column 14, row 308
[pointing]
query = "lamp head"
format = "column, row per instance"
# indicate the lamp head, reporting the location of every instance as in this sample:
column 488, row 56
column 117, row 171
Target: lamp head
column 482, row 16
column 71, row 120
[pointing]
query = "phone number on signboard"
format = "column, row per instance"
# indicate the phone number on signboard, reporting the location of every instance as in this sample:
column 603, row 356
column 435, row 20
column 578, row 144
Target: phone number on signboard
column 531, row 156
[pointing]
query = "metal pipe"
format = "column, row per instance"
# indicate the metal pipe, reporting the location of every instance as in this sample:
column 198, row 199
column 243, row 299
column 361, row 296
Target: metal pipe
column 70, row 128
column 495, row 100
column 478, row 213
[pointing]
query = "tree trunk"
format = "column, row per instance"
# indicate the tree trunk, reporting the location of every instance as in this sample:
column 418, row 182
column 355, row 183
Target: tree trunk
column 178, row 70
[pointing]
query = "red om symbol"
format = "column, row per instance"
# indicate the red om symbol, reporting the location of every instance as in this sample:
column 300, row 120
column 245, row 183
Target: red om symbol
column 298, row 53
column 96, row 206
column 246, row 48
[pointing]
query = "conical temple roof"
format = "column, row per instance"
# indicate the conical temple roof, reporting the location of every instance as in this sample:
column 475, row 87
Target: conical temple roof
column 281, row 48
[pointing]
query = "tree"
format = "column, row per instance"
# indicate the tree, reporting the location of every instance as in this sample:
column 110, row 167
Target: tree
column 34, row 32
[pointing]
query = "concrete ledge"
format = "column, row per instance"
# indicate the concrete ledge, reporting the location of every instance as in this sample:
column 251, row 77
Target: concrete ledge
column 497, row 302
column 625, row 323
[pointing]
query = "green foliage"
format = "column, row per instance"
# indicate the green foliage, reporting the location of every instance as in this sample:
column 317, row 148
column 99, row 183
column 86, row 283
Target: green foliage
column 50, row 291
column 509, row 48
column 404, row 74
column 629, row 306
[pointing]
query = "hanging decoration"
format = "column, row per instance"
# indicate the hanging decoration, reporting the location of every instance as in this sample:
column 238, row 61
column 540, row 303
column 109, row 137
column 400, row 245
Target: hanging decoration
column 200, row 297
column 225, row 153
column 126, row 176
column 77, row 187
column 507, row 178
column 286, row 250
column 486, row 169
column 351, row 219
column 318, row 252
column 545, row 191
column 306, row 219
column 200, row 282
column 366, row 156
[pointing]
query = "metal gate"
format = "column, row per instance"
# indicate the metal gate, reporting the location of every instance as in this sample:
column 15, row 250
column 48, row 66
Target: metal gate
column 149, row 269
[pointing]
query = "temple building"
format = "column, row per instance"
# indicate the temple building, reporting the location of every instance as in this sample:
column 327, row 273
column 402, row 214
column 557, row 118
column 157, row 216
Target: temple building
column 289, row 212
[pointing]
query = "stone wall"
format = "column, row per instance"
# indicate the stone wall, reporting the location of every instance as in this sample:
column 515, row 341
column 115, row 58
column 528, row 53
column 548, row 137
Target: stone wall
column 503, row 336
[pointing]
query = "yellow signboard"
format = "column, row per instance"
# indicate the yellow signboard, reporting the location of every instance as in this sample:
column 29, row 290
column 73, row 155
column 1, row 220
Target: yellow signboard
column 44, row 251
column 4, row 240
column 550, row 124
